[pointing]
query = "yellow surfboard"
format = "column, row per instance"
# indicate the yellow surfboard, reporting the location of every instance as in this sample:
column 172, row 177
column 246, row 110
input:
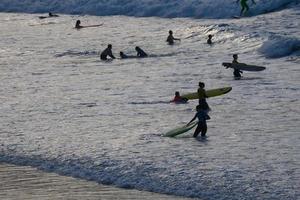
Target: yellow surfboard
column 209, row 93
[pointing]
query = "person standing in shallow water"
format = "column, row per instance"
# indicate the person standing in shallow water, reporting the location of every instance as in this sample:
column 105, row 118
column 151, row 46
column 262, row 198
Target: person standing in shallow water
column 236, row 72
column 202, row 97
column 244, row 6
column 170, row 38
column 202, row 117
column 107, row 52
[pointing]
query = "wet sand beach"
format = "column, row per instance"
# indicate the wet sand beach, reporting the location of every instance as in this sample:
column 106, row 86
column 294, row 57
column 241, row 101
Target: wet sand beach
column 24, row 183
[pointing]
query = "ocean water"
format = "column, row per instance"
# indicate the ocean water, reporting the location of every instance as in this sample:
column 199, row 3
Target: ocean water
column 65, row 111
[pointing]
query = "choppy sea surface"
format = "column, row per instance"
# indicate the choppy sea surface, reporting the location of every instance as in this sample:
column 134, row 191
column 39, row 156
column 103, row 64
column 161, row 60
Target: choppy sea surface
column 65, row 111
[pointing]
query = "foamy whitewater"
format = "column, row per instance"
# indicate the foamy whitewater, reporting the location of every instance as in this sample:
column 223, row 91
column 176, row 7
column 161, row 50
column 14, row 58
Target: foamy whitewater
column 63, row 110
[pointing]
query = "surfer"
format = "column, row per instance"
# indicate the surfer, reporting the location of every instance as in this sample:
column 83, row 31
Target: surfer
column 202, row 97
column 77, row 25
column 107, row 52
column 140, row 52
column 209, row 39
column 170, row 38
column 178, row 98
column 202, row 117
column 49, row 15
column 52, row 15
column 244, row 6
column 123, row 55
column 236, row 72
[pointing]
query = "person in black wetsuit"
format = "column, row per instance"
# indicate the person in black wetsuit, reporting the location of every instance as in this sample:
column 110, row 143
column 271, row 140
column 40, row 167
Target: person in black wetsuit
column 209, row 39
column 52, row 15
column 140, row 52
column 107, row 52
column 202, row 117
column 170, row 38
column 123, row 55
column 77, row 25
column 202, row 97
column 236, row 72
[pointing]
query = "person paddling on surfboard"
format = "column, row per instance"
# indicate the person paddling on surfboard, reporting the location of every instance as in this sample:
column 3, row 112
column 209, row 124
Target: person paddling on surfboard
column 244, row 6
column 202, row 97
column 49, row 15
column 236, row 72
column 107, row 52
column 178, row 98
column 202, row 117
column 171, row 39
column 123, row 55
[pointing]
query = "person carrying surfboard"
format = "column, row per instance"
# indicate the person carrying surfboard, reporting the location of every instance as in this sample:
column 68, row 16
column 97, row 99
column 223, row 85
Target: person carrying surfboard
column 236, row 72
column 244, row 6
column 178, row 98
column 107, row 52
column 202, row 117
column 202, row 97
column 170, row 38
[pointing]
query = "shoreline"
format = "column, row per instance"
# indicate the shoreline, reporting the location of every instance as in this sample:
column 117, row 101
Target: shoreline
column 25, row 182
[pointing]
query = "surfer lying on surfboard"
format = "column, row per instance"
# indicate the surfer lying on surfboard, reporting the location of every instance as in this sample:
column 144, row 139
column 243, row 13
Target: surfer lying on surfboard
column 78, row 26
column 49, row 15
column 140, row 53
column 178, row 98
column 202, row 117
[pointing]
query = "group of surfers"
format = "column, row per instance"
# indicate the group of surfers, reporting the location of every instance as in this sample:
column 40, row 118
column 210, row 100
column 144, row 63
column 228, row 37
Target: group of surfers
column 202, row 108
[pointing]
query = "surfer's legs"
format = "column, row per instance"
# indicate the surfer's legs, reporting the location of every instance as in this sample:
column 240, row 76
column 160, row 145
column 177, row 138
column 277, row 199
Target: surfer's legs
column 198, row 130
column 245, row 8
column 204, row 130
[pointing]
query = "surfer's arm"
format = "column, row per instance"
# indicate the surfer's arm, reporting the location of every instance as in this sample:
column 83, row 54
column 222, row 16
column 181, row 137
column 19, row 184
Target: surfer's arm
column 253, row 2
column 111, row 55
column 192, row 120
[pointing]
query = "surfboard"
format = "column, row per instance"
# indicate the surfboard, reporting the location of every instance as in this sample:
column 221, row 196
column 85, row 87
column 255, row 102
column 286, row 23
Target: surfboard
column 244, row 67
column 209, row 93
column 180, row 130
column 89, row 26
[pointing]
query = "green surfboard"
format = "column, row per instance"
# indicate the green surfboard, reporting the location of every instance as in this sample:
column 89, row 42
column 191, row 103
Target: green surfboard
column 209, row 93
column 180, row 130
